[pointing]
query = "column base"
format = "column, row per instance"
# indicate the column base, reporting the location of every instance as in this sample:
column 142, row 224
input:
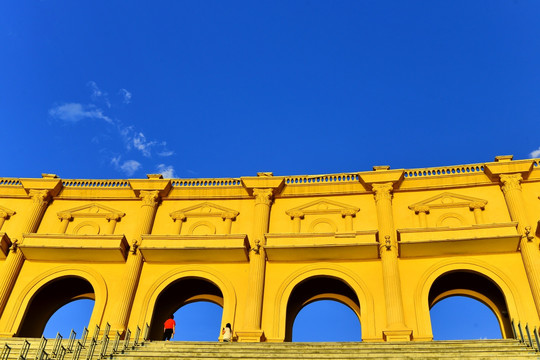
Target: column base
column 250, row 336
column 397, row 335
column 6, row 334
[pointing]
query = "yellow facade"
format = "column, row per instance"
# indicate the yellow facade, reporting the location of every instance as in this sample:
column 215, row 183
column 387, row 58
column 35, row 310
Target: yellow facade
column 387, row 243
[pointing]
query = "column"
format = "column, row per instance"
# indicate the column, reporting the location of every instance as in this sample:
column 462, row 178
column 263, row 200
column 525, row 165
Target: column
column 257, row 265
column 228, row 218
column 422, row 212
column 15, row 259
column 134, row 261
column 511, row 188
column 4, row 215
column 477, row 207
column 112, row 219
column 297, row 217
column 179, row 219
column 388, row 249
column 348, row 216
column 64, row 222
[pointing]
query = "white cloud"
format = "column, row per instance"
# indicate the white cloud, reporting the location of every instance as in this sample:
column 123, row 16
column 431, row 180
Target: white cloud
column 126, row 95
column 167, row 171
column 166, row 153
column 140, row 143
column 74, row 112
column 97, row 94
column 129, row 167
column 535, row 153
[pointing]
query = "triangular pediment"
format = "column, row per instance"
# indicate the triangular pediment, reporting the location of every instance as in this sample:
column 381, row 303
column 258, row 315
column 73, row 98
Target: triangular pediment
column 323, row 207
column 205, row 209
column 92, row 210
column 7, row 211
column 448, row 200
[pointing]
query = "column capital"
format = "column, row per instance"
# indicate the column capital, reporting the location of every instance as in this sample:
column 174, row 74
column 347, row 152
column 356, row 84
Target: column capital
column 263, row 196
column 510, row 182
column 65, row 216
column 297, row 214
column 149, row 198
column 348, row 212
column 229, row 215
column 477, row 205
column 39, row 196
column 113, row 217
column 178, row 216
column 383, row 191
column 421, row 209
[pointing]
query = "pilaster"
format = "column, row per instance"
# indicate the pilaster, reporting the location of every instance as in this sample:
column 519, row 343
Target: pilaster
column 263, row 189
column 510, row 175
column 382, row 182
column 149, row 192
column 40, row 191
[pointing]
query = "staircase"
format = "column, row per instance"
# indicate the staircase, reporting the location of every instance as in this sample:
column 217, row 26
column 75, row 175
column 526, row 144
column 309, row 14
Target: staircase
column 443, row 350
column 477, row 350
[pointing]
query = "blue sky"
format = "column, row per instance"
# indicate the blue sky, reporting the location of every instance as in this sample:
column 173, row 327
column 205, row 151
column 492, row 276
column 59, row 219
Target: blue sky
column 114, row 89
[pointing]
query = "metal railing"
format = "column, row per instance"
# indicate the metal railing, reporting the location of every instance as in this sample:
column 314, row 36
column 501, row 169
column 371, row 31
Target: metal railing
column 59, row 349
column 5, row 352
column 71, row 340
column 24, row 350
column 57, row 344
column 529, row 340
column 41, row 353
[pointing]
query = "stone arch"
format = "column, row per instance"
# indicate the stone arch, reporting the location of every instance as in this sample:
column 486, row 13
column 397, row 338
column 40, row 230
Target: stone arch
column 442, row 221
column 324, row 221
column 87, row 225
column 491, row 273
column 210, row 229
column 365, row 311
column 87, row 274
column 228, row 302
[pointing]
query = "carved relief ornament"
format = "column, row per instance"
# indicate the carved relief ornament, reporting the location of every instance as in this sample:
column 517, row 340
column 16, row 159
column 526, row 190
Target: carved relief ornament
column 383, row 191
column 149, row 198
column 263, row 196
column 511, row 182
column 40, row 197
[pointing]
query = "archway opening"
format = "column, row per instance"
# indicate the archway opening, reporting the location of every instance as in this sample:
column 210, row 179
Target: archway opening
column 463, row 318
column 198, row 321
column 74, row 315
column 469, row 294
column 326, row 320
column 312, row 291
column 188, row 299
column 49, row 299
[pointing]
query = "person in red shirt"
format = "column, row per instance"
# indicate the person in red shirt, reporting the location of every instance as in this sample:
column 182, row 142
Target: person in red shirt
column 168, row 328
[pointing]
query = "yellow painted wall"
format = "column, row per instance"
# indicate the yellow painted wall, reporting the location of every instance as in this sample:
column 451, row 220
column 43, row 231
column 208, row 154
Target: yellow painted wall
column 266, row 242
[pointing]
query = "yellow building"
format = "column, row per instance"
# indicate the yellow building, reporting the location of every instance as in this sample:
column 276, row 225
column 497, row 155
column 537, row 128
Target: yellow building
column 387, row 243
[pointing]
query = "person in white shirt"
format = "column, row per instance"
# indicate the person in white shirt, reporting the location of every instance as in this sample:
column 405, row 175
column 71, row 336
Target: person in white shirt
column 227, row 333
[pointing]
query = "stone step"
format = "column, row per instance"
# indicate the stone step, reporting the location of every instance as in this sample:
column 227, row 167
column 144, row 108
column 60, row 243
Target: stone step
column 443, row 350
column 484, row 349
